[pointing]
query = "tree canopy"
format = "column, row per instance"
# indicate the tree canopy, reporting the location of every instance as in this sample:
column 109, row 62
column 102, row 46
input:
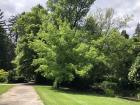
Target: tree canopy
column 64, row 44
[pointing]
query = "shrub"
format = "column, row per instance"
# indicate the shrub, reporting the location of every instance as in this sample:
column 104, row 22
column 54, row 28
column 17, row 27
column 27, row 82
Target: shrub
column 11, row 76
column 108, row 85
column 3, row 76
column 109, row 88
column 18, row 79
column 128, row 88
column 109, row 92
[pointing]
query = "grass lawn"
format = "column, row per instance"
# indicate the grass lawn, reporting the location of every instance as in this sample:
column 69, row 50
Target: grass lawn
column 55, row 97
column 4, row 88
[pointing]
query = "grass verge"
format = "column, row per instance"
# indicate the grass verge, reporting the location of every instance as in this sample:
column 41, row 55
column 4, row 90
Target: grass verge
column 4, row 88
column 62, row 97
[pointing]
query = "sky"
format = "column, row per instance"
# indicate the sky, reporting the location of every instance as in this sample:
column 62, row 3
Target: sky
column 121, row 7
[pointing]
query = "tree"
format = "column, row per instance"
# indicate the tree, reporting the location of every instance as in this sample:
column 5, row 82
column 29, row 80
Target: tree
column 6, row 46
column 55, row 41
column 72, row 11
column 3, row 56
column 106, row 20
column 137, row 31
column 134, row 74
column 118, row 48
column 92, row 28
column 123, row 33
column 27, row 26
column 54, row 50
column 63, row 46
column 112, row 51
column 13, row 34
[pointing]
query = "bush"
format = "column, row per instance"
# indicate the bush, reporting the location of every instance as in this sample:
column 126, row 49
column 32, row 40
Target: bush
column 19, row 79
column 128, row 88
column 108, row 85
column 3, row 76
column 109, row 92
column 109, row 88
column 11, row 76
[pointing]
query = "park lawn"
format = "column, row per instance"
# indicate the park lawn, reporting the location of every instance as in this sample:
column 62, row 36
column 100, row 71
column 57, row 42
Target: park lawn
column 4, row 88
column 54, row 97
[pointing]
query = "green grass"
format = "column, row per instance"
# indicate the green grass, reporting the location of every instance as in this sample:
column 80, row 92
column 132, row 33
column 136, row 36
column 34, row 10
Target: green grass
column 4, row 88
column 59, row 97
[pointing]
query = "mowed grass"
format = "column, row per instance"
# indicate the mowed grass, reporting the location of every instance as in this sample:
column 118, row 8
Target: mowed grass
column 58, row 97
column 4, row 88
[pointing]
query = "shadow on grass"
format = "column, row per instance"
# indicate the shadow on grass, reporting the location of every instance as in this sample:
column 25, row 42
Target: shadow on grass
column 73, row 91
column 86, row 92
column 91, row 93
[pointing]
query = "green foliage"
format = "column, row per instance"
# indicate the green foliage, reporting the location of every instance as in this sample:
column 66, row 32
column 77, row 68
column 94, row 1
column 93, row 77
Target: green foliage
column 3, row 43
column 137, row 31
column 27, row 27
column 14, row 77
column 11, row 76
column 3, row 76
column 6, row 46
column 54, row 50
column 134, row 74
column 63, row 46
column 109, row 92
column 108, row 85
column 58, row 40
column 109, row 88
column 72, row 11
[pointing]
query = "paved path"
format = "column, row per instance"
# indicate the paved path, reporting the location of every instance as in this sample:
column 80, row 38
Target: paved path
column 20, row 95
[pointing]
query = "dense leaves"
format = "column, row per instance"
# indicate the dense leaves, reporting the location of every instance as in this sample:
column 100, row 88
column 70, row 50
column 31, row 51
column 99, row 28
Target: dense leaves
column 134, row 74
column 6, row 46
column 65, row 45
column 27, row 27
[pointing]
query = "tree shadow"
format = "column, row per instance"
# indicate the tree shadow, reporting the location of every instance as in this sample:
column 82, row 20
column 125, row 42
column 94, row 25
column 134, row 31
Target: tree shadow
column 85, row 92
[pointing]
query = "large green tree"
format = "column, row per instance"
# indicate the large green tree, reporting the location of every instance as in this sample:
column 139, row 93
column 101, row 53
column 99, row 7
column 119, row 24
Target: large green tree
column 62, row 45
column 27, row 27
column 57, row 39
column 3, row 39
column 134, row 74
column 6, row 46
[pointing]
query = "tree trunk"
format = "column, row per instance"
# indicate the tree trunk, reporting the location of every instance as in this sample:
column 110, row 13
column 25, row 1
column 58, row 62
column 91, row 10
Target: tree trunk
column 56, row 84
